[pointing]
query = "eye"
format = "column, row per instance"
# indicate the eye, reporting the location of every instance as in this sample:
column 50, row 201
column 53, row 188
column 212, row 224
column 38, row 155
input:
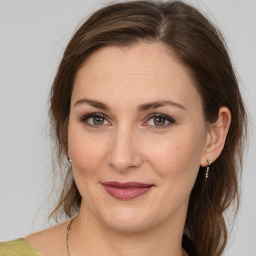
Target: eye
column 159, row 121
column 95, row 119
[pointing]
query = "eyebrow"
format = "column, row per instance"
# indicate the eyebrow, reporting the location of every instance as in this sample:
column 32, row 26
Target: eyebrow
column 141, row 108
column 93, row 103
column 158, row 104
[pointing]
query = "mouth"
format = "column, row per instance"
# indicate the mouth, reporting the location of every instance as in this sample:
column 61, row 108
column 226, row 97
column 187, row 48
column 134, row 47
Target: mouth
column 126, row 191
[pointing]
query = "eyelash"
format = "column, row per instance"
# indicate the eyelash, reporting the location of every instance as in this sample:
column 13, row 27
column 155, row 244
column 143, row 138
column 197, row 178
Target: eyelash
column 163, row 116
column 85, row 118
column 170, row 120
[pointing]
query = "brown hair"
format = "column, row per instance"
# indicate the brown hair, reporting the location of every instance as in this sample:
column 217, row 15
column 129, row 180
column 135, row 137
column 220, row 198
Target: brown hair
column 200, row 47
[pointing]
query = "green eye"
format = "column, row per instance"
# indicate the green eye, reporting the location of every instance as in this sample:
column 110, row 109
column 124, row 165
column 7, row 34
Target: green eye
column 159, row 121
column 97, row 120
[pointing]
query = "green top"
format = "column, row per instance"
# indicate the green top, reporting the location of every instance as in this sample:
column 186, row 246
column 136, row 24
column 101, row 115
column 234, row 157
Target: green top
column 18, row 247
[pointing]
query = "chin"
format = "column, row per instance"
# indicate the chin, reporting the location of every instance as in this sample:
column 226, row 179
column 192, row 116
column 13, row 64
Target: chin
column 127, row 220
column 126, row 226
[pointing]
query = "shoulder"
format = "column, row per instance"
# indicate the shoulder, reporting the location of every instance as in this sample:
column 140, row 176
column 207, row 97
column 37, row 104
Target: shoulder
column 50, row 241
column 18, row 247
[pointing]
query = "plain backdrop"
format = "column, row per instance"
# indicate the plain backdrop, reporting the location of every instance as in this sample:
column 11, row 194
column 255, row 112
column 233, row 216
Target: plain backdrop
column 33, row 35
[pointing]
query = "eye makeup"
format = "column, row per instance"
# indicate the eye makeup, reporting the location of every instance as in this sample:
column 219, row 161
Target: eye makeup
column 154, row 120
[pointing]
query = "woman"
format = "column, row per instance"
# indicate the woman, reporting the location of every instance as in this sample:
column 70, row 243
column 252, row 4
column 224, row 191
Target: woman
column 146, row 108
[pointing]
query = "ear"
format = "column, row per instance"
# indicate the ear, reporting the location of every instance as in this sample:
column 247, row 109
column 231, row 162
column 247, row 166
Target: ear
column 216, row 136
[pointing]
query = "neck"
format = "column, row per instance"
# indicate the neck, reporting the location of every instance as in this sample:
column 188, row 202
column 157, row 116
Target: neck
column 90, row 237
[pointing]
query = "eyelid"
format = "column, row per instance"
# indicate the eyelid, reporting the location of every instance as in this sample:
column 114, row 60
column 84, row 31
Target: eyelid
column 85, row 117
column 169, row 119
column 164, row 116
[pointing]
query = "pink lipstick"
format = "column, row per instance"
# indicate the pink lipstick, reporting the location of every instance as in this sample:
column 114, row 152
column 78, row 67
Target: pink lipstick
column 126, row 191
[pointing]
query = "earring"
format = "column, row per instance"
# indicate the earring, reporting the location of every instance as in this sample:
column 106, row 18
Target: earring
column 207, row 169
column 69, row 160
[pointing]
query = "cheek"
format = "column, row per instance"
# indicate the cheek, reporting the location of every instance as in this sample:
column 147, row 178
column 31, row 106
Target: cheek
column 176, row 166
column 177, row 155
column 87, row 156
column 85, row 153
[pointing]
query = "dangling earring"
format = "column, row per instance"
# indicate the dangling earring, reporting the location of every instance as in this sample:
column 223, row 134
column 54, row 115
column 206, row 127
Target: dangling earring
column 69, row 160
column 207, row 169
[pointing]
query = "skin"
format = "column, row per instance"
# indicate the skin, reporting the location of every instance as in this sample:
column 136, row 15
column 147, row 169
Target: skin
column 129, row 146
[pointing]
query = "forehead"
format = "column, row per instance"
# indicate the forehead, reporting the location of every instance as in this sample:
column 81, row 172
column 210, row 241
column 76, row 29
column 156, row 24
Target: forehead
column 144, row 71
column 138, row 58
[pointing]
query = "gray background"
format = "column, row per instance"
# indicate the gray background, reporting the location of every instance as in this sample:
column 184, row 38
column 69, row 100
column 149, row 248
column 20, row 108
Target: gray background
column 33, row 35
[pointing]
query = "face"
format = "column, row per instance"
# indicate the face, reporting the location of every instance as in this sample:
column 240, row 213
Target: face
column 136, row 136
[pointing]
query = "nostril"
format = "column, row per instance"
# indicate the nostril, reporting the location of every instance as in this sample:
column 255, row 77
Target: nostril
column 124, row 161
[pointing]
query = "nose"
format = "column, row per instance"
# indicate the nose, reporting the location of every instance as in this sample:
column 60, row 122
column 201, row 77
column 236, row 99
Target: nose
column 124, row 152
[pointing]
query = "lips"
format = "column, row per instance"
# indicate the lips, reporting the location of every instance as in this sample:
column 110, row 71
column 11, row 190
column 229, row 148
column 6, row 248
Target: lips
column 126, row 191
